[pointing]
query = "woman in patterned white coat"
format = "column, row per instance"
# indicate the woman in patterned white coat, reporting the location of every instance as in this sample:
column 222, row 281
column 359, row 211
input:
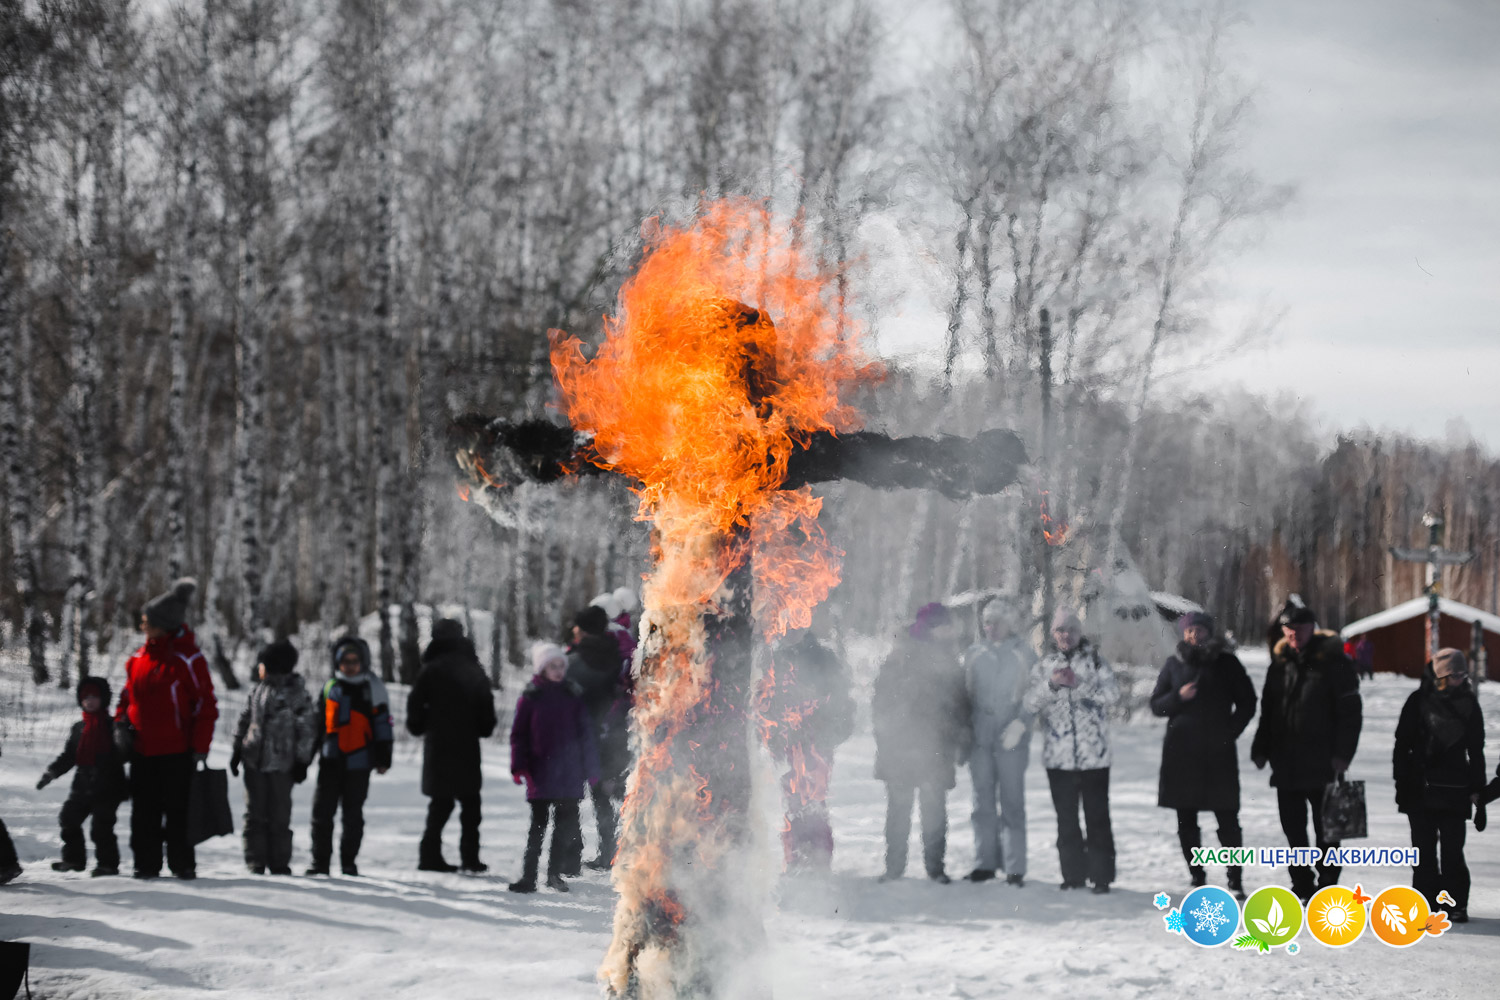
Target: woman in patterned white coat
column 1071, row 692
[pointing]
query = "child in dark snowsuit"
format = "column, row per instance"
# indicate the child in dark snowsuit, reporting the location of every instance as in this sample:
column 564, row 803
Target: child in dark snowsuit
column 552, row 752
column 275, row 739
column 98, row 784
column 10, row 865
column 357, row 736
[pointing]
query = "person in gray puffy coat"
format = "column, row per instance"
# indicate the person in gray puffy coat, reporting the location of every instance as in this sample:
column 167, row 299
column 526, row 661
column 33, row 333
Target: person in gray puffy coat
column 997, row 670
column 1072, row 690
column 274, row 740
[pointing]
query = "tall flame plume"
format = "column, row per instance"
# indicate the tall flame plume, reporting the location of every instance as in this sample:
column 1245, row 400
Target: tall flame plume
column 724, row 355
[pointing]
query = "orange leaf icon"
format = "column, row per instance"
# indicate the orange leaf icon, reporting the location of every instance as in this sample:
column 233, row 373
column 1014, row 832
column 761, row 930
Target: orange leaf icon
column 1437, row 923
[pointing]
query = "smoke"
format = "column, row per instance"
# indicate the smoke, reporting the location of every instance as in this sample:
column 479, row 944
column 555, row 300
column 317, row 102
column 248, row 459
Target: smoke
column 695, row 869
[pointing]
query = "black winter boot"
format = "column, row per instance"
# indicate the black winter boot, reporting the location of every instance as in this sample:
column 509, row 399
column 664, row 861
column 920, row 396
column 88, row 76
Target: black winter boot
column 435, row 863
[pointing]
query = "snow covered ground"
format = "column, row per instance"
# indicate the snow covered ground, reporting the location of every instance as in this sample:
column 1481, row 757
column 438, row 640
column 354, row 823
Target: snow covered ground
column 398, row 932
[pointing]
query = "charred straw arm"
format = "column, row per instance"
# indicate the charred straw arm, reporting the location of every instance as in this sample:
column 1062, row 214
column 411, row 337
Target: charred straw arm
column 956, row 467
column 495, row 454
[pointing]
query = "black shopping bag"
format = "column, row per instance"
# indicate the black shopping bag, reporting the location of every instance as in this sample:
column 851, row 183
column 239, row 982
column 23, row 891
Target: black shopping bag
column 208, row 807
column 1344, row 810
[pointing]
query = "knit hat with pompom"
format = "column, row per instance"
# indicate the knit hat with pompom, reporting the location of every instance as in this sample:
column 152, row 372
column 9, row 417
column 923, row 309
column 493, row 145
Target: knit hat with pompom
column 168, row 611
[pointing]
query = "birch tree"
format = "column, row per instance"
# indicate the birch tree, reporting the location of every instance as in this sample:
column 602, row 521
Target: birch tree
column 24, row 42
column 187, row 248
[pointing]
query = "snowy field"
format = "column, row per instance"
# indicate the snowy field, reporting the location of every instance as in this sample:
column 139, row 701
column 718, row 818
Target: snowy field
column 398, row 932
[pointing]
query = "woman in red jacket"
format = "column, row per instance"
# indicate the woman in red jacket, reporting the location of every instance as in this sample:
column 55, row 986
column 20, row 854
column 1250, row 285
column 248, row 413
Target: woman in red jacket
column 166, row 719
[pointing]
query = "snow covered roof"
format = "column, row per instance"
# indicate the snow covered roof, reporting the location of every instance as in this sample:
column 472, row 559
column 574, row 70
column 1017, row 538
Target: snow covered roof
column 1175, row 603
column 1416, row 608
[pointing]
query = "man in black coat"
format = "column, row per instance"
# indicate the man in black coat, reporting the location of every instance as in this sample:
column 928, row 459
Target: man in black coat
column 451, row 706
column 1310, row 719
column 1439, row 769
column 1208, row 700
column 595, row 665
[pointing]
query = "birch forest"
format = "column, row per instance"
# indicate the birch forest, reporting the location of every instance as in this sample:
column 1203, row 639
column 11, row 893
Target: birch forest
column 256, row 254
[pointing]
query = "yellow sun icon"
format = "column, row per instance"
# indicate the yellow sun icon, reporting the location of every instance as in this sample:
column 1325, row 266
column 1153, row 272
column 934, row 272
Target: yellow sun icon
column 1334, row 918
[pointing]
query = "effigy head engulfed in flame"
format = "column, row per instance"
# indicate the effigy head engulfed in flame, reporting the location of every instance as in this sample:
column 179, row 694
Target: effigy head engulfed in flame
column 702, row 400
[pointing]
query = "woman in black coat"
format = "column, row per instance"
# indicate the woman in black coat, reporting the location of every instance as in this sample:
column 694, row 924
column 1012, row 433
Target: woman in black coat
column 1439, row 769
column 1208, row 700
column 452, row 708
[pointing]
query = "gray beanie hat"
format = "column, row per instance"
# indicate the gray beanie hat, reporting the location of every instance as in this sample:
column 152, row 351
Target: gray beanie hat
column 168, row 611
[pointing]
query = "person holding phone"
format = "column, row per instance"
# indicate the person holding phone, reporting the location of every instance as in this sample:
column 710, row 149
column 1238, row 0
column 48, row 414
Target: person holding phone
column 1071, row 692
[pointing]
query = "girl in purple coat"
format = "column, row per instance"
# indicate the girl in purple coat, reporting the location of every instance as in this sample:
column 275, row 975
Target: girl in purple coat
column 552, row 752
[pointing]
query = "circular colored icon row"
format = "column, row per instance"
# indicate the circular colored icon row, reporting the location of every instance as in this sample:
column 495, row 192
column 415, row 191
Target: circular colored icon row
column 1336, row 916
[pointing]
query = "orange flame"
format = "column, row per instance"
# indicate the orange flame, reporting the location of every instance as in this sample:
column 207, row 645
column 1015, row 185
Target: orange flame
column 702, row 401
column 1054, row 531
column 700, row 396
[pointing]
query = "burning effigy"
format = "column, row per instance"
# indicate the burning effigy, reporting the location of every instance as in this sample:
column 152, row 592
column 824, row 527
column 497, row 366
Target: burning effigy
column 719, row 391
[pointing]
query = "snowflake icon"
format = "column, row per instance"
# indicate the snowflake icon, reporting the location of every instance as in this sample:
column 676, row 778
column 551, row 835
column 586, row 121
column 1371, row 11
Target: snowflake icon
column 1162, row 901
column 1174, row 922
column 1209, row 916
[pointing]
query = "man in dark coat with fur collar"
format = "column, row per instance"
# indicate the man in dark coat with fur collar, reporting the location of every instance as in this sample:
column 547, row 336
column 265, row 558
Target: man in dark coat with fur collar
column 1309, row 729
column 452, row 708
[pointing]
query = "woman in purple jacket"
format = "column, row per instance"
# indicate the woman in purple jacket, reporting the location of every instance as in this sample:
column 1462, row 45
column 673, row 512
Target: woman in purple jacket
column 552, row 752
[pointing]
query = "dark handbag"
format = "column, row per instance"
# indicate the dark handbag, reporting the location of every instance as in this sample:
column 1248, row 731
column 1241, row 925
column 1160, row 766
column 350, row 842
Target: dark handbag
column 208, row 806
column 1344, row 816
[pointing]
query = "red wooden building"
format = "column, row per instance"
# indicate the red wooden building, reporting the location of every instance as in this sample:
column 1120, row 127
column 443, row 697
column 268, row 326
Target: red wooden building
column 1399, row 635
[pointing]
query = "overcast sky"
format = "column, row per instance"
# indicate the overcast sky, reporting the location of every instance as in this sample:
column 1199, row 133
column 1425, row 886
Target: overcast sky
column 1386, row 116
column 1386, row 113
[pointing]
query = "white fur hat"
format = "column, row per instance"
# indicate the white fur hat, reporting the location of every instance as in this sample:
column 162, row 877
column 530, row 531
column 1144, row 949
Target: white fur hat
column 610, row 603
column 543, row 653
column 627, row 600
